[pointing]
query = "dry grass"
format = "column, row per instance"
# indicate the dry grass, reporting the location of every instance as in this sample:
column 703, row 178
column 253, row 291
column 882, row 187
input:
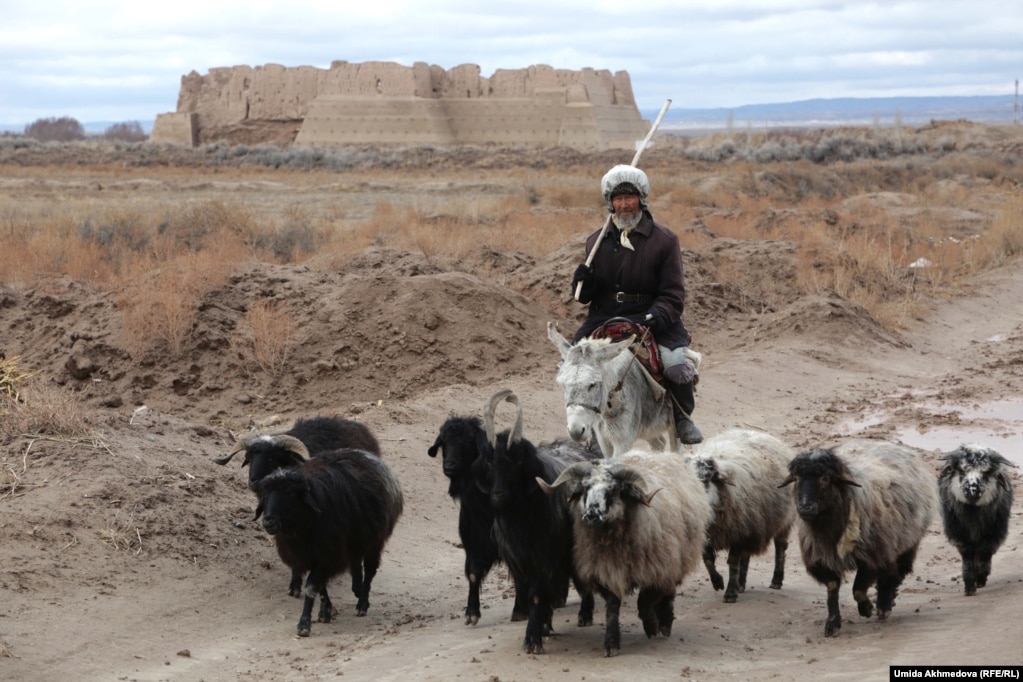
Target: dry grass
column 123, row 534
column 163, row 237
column 273, row 335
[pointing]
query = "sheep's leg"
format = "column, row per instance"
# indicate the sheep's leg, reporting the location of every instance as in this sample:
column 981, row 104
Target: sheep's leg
column 520, row 610
column 295, row 586
column 475, row 570
column 983, row 567
column 736, row 575
column 969, row 573
column 665, row 610
column 585, row 604
column 709, row 555
column 539, row 610
column 888, row 583
column 861, row 583
column 326, row 607
column 832, row 581
column 311, row 591
column 370, row 565
column 781, row 544
column 612, row 631
column 356, row 571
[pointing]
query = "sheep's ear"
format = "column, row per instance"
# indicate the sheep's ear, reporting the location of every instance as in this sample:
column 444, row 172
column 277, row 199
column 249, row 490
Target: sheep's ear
column 718, row 477
column 846, row 481
column 788, row 481
column 307, row 498
column 999, row 459
column 432, row 452
column 259, row 510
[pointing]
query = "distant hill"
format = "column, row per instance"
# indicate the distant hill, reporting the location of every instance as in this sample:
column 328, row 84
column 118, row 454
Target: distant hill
column 885, row 111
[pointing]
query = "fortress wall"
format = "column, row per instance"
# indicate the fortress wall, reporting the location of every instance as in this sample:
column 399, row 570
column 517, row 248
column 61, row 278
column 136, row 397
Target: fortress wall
column 175, row 128
column 391, row 103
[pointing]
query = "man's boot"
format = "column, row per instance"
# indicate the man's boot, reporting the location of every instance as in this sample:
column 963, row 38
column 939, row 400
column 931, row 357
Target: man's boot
column 684, row 402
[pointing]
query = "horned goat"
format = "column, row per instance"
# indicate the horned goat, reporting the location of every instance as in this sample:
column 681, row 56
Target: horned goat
column 533, row 531
column 332, row 513
column 976, row 498
column 741, row 469
column 265, row 453
column 863, row 505
column 462, row 442
column 640, row 520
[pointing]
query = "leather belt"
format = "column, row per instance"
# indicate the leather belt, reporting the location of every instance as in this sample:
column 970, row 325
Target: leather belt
column 622, row 297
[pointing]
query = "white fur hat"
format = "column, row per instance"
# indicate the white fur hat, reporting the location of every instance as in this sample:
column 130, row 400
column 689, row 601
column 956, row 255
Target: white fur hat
column 623, row 174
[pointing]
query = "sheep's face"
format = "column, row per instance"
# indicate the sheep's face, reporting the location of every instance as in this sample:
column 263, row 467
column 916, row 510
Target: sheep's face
column 459, row 445
column 971, row 474
column 284, row 502
column 821, row 484
column 600, row 499
column 707, row 472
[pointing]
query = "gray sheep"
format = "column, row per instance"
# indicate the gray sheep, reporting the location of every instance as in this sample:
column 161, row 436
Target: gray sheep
column 741, row 470
column 641, row 523
column 862, row 505
column 976, row 499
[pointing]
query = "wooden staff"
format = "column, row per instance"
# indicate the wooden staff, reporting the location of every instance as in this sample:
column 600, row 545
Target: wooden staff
column 635, row 160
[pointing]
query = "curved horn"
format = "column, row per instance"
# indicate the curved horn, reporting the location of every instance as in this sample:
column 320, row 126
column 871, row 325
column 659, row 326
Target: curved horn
column 488, row 415
column 291, row 444
column 516, row 434
column 224, row 460
column 243, row 444
column 573, row 473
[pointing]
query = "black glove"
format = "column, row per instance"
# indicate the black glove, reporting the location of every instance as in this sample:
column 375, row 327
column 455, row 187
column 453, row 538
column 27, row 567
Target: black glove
column 654, row 322
column 583, row 274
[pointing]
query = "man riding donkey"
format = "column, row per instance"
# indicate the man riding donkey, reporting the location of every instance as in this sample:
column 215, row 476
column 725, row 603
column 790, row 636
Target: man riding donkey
column 636, row 273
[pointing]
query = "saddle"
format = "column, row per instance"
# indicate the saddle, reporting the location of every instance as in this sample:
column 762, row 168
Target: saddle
column 644, row 347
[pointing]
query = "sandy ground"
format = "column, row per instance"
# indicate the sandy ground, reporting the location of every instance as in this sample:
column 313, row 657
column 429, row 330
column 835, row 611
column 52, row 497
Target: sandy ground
column 133, row 556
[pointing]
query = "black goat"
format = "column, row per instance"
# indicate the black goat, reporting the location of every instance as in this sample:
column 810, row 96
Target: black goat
column 976, row 498
column 331, row 514
column 265, row 453
column 462, row 442
column 533, row 530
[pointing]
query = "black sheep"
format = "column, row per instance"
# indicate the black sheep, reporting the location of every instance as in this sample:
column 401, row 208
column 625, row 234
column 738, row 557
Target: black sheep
column 331, row 514
column 976, row 499
column 265, row 453
column 462, row 441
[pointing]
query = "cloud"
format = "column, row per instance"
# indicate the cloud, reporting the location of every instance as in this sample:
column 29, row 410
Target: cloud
column 123, row 61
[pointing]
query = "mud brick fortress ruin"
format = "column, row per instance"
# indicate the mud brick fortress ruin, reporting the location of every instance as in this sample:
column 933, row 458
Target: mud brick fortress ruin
column 387, row 103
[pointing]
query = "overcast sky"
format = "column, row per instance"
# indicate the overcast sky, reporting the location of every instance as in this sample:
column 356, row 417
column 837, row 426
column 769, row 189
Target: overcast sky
column 123, row 61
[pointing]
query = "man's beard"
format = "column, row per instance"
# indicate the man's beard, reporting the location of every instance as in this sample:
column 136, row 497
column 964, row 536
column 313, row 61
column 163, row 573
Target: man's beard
column 626, row 224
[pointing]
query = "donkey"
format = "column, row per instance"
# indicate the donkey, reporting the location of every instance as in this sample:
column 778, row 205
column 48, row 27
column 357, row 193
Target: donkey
column 609, row 397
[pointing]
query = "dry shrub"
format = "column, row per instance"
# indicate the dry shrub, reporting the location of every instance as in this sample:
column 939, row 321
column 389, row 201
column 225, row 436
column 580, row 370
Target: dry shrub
column 273, row 335
column 123, row 534
column 158, row 308
column 46, row 410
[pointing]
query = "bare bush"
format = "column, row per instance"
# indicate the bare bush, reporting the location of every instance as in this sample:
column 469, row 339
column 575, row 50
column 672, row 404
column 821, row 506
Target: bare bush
column 126, row 132
column 63, row 129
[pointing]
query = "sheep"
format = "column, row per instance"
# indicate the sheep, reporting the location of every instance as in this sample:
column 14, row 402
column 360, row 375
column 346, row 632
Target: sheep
column 976, row 498
column 265, row 453
column 862, row 505
column 332, row 513
column 640, row 522
column 740, row 470
column 533, row 531
column 462, row 442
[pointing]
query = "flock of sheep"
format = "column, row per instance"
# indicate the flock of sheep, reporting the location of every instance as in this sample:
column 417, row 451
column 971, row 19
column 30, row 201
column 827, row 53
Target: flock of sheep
column 559, row 514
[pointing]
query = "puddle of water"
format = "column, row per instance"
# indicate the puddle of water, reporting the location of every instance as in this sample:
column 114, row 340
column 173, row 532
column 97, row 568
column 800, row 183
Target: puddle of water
column 999, row 426
column 1008, row 444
